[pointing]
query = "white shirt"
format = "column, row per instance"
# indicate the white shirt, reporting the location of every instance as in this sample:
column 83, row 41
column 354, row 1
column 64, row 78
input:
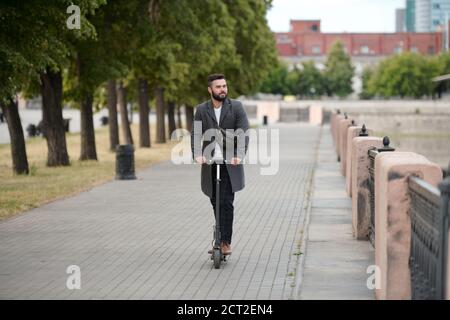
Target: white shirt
column 217, row 150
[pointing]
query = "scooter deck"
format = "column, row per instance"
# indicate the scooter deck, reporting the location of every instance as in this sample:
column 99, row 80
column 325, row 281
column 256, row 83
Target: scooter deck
column 224, row 254
column 224, row 257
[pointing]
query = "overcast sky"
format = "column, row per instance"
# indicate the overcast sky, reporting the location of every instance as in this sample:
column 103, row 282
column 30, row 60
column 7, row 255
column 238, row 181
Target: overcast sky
column 337, row 15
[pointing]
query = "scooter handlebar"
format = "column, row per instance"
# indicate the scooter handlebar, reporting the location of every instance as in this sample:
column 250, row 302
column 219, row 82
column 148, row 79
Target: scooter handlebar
column 220, row 161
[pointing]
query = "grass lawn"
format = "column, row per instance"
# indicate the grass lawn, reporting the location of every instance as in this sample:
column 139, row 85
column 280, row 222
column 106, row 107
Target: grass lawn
column 45, row 184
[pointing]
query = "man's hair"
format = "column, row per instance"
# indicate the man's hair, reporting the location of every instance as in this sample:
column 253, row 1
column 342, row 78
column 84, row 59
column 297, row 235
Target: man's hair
column 214, row 76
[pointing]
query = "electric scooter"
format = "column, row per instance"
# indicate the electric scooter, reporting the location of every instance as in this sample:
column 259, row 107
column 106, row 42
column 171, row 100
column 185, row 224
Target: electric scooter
column 217, row 256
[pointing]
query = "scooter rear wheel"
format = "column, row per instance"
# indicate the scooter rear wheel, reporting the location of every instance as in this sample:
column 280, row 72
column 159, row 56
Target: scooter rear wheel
column 217, row 257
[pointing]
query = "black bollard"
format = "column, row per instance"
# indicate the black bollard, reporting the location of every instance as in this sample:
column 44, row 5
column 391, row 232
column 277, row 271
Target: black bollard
column 104, row 120
column 386, row 146
column 31, row 129
column 125, row 162
column 265, row 120
column 363, row 132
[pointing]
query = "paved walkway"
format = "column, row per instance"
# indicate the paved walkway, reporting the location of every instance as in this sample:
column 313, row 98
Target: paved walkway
column 148, row 238
column 335, row 264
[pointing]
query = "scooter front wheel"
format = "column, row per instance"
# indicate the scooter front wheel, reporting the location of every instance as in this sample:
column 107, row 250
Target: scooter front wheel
column 217, row 257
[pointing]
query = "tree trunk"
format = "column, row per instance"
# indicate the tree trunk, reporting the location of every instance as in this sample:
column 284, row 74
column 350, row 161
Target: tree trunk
column 52, row 119
column 144, row 124
column 130, row 111
column 160, row 119
column 179, row 124
column 189, row 117
column 122, row 97
column 88, row 150
column 18, row 149
column 171, row 117
column 112, row 115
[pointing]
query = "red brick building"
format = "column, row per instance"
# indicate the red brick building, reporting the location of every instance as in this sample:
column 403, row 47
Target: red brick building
column 306, row 39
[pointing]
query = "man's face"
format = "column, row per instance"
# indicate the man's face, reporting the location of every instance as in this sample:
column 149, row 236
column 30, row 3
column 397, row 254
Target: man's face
column 218, row 89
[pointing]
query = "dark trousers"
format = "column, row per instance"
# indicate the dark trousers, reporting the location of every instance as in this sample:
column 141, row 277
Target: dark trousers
column 226, row 202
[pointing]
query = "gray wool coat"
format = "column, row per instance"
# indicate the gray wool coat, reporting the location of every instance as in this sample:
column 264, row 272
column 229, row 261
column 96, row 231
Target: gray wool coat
column 232, row 116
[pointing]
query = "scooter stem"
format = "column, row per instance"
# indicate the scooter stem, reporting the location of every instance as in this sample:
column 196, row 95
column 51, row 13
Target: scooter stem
column 218, row 235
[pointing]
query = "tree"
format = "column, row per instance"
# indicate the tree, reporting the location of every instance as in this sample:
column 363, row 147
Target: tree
column 311, row 82
column 181, row 52
column 155, row 55
column 442, row 67
column 113, row 125
column 122, row 99
column 104, row 59
column 255, row 45
column 339, row 71
column 276, row 81
column 209, row 47
column 403, row 75
column 367, row 74
column 18, row 149
column 36, row 60
column 116, row 23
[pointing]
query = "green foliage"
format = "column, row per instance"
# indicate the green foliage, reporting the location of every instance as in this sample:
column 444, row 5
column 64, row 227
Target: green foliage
column 34, row 36
column 404, row 75
column 339, row 71
column 366, row 76
column 307, row 81
column 311, row 82
column 254, row 42
column 442, row 65
column 276, row 81
column 186, row 48
column 172, row 44
column 107, row 56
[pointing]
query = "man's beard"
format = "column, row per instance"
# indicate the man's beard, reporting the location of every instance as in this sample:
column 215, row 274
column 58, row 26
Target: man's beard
column 218, row 97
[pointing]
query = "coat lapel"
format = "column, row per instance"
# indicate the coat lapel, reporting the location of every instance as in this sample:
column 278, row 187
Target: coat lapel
column 225, row 109
column 210, row 110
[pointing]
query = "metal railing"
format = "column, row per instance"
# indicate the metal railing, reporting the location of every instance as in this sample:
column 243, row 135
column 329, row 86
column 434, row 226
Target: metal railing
column 429, row 239
column 372, row 155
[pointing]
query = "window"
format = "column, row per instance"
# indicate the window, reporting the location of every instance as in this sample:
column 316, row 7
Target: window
column 398, row 50
column 316, row 50
column 283, row 39
column 364, row 50
column 430, row 50
column 414, row 49
column 436, row 22
column 436, row 6
column 314, row 28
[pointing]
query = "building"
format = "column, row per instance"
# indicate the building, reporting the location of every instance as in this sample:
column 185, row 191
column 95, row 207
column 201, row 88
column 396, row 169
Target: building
column 431, row 15
column 305, row 42
column 305, row 39
column 400, row 20
column 410, row 20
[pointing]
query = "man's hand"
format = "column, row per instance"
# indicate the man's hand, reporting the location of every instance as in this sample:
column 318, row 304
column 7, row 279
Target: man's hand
column 235, row 161
column 200, row 160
